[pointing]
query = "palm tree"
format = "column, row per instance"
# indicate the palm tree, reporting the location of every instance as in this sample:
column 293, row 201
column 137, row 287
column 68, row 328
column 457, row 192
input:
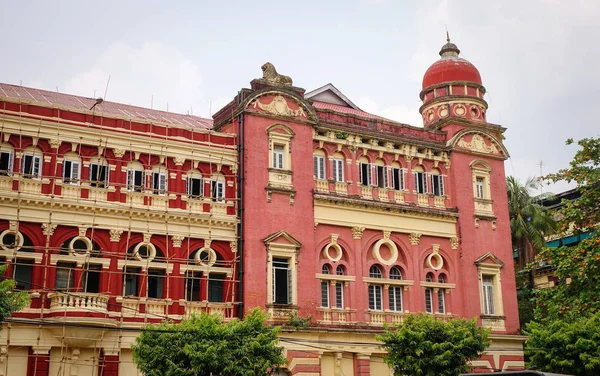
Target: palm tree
column 530, row 222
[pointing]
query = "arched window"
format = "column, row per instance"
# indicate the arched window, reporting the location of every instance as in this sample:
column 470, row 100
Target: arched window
column 338, row 167
column 398, row 180
column 194, row 184
column 429, row 294
column 395, row 292
column 7, row 157
column 217, row 187
column 159, row 180
column 325, row 287
column 381, row 174
column 99, row 172
column 437, row 183
column 136, row 179
column 16, row 244
column 339, row 288
column 31, row 163
column 375, row 290
column 71, row 168
column 319, row 164
column 134, row 276
column 365, row 171
column 420, row 180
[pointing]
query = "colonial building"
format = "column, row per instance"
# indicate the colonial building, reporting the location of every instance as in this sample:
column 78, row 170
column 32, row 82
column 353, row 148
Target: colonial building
column 296, row 202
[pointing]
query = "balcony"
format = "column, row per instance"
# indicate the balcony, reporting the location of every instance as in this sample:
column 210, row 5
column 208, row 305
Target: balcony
column 155, row 308
column 6, row 183
column 381, row 317
column 366, row 192
column 336, row 315
column 224, row 310
column 493, row 322
column 399, row 196
column 341, row 188
column 78, row 302
column 439, row 201
column 321, row 186
column 422, row 200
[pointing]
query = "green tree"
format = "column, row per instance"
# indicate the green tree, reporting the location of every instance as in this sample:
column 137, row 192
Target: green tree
column 424, row 346
column 530, row 221
column 204, row 345
column 565, row 347
column 10, row 300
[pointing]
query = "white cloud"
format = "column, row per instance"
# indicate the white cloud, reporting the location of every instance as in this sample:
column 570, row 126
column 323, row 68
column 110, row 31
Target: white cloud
column 402, row 114
column 152, row 73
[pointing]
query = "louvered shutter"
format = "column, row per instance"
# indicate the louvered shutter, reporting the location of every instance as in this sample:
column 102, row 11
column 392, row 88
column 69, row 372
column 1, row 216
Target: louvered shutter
column 335, row 170
column 74, row 171
column 162, row 182
column 372, row 179
column 129, row 180
column 11, row 159
column 416, row 175
column 316, row 166
column 290, row 287
column 425, row 185
column 402, row 173
column 442, row 190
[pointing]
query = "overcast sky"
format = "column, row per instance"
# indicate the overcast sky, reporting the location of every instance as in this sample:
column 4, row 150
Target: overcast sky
column 539, row 59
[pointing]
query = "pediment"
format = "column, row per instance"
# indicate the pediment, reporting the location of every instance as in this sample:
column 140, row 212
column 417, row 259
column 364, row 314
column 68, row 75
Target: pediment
column 282, row 104
column 330, row 94
column 282, row 237
column 489, row 259
column 478, row 142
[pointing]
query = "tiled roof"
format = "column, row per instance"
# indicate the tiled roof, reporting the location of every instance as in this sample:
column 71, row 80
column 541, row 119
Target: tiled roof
column 107, row 108
column 346, row 110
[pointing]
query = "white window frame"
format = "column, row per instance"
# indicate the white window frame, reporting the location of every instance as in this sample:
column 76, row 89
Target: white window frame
column 71, row 171
column 289, row 272
column 189, row 187
column 130, row 182
column 428, row 300
column 338, row 170
column 369, row 174
column 400, row 180
column 319, row 167
column 217, row 190
column 159, row 183
column 325, row 297
column 441, row 303
column 437, row 185
column 487, row 285
column 480, row 187
column 420, row 176
column 395, row 298
column 36, row 173
column 94, row 180
column 9, row 164
column 278, row 156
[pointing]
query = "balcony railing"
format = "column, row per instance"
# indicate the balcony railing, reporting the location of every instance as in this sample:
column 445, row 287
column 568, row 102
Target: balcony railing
column 341, row 188
column 422, row 200
column 336, row 315
column 84, row 302
column 367, row 192
column 321, row 185
column 439, row 201
column 196, row 308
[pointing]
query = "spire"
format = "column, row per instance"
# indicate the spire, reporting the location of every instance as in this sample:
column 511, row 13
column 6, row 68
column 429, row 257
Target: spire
column 449, row 49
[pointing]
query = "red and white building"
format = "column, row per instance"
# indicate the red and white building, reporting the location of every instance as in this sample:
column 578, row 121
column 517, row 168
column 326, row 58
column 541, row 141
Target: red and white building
column 296, row 202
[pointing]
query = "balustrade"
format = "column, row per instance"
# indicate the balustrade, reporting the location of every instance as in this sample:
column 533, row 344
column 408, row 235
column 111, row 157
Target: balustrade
column 85, row 302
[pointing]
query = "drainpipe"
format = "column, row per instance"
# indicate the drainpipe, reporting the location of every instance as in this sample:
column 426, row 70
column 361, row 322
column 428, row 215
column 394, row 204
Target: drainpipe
column 240, row 213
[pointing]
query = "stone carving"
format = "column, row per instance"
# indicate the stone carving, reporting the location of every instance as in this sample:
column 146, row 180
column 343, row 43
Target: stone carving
column 82, row 231
column 478, row 144
column 334, row 238
column 147, row 237
column 357, row 232
column 177, row 240
column 179, row 161
column 387, row 234
column 54, row 143
column 115, row 235
column 270, row 74
column 278, row 106
column 48, row 229
column 454, row 242
column 119, row 153
column 234, row 246
column 414, row 238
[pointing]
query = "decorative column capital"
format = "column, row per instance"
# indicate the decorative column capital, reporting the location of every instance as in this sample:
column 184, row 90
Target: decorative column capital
column 177, row 240
column 414, row 238
column 234, row 246
column 48, row 228
column 179, row 161
column 357, row 232
column 54, row 143
column 454, row 242
column 119, row 153
column 115, row 235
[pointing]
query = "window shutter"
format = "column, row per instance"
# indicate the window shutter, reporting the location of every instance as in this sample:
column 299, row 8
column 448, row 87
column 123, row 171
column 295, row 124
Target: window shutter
column 74, row 171
column 360, row 173
column 416, row 175
column 162, row 184
column 335, row 170
column 402, row 173
column 442, row 191
column 290, row 287
column 321, row 168
column 106, row 170
column 372, row 179
column 316, row 166
column 129, row 179
column 387, row 171
column 425, row 185
column 66, row 170
column 11, row 159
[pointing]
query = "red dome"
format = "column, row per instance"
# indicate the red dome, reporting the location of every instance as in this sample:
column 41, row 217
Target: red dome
column 450, row 68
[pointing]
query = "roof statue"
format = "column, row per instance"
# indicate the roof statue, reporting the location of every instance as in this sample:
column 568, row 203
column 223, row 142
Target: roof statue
column 270, row 74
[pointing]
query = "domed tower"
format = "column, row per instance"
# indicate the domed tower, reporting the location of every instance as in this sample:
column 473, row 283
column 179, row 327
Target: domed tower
column 452, row 88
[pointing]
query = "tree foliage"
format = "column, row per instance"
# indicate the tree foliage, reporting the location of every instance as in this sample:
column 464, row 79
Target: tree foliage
column 10, row 300
column 204, row 345
column 565, row 336
column 565, row 347
column 530, row 221
column 424, row 346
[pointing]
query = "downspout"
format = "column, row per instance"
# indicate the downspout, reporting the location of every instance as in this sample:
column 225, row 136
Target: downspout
column 240, row 213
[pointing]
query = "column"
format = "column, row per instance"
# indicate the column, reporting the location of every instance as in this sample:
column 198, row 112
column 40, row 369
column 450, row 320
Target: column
column 110, row 363
column 358, row 290
column 362, row 365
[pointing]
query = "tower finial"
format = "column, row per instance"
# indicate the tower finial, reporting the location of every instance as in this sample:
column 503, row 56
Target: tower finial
column 447, row 36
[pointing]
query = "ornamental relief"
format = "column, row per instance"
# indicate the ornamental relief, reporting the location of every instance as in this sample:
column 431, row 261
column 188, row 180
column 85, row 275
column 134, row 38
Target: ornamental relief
column 278, row 106
column 478, row 144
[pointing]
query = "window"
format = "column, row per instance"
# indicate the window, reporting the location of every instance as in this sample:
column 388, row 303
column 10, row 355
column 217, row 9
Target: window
column 488, row 295
column 325, row 288
column 382, row 177
column 64, row 275
column 440, row 294
column 338, row 169
column 192, row 286
column 278, row 152
column 216, row 283
column 156, row 278
column 438, row 184
column 6, row 163
column 71, row 171
column 375, row 291
column 91, row 278
column 32, row 166
column 217, row 189
column 159, row 181
column 282, row 281
column 195, row 187
column 420, row 182
column 429, row 295
column 319, row 165
column 339, row 289
column 365, row 173
column 135, row 177
column 130, row 280
column 395, row 292
column 22, row 274
column 99, row 175
column 397, row 179
column 479, row 186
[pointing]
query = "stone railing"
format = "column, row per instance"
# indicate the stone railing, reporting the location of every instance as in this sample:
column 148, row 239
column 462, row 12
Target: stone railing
column 30, row 186
column 493, row 322
column 6, row 183
column 336, row 315
column 214, row 308
column 321, row 185
column 155, row 308
column 422, row 200
column 341, row 188
column 71, row 191
column 366, row 192
column 377, row 317
column 439, row 201
column 84, row 302
column 219, row 208
column 399, row 196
